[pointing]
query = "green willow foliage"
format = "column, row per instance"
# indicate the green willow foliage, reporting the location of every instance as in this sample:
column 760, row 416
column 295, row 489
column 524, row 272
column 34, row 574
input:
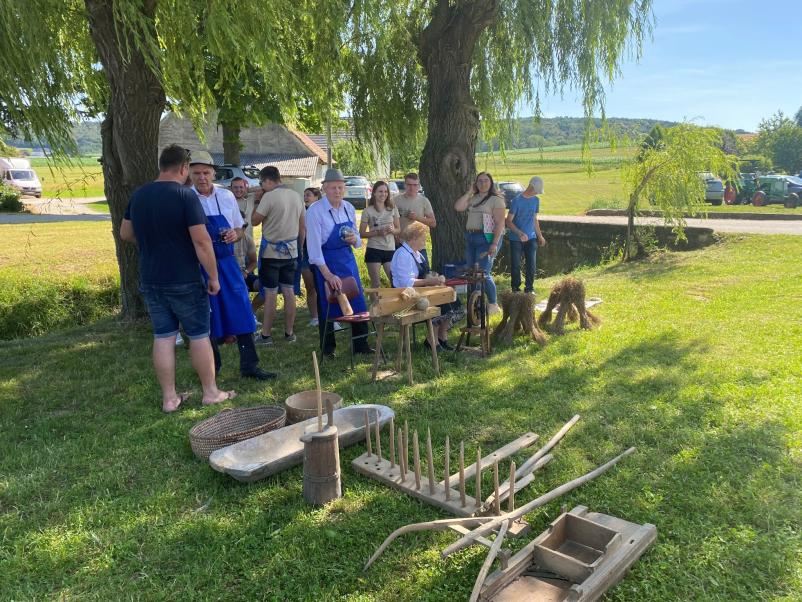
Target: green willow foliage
column 50, row 73
column 534, row 47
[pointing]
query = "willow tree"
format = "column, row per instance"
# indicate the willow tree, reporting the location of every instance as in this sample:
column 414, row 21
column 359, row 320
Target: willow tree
column 452, row 67
column 127, row 59
column 667, row 174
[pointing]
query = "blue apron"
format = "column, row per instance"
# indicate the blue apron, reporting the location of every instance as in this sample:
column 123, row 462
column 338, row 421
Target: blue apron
column 341, row 262
column 231, row 307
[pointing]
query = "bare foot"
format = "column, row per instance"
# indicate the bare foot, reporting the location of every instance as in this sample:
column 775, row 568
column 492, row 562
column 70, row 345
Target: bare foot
column 221, row 397
column 172, row 406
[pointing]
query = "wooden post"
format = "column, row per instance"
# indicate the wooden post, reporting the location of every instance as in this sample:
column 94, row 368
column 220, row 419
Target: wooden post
column 447, row 485
column 462, row 473
column 367, row 433
column 401, row 466
column 330, row 412
column 406, row 445
column 511, row 505
column 416, row 458
column 496, row 504
column 478, row 476
column 319, row 393
column 392, row 442
column 429, row 459
column 378, row 438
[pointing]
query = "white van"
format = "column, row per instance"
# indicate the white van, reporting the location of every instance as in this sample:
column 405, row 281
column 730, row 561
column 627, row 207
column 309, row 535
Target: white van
column 19, row 174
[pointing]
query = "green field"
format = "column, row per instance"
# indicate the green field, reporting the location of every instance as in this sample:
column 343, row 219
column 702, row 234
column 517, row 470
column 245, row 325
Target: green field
column 77, row 178
column 696, row 363
column 573, row 185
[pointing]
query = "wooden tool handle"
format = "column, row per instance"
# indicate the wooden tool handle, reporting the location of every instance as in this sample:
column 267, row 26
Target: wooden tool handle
column 345, row 306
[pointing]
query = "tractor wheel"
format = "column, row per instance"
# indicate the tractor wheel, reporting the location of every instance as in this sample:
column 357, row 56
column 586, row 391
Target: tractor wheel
column 792, row 202
column 759, row 199
column 730, row 194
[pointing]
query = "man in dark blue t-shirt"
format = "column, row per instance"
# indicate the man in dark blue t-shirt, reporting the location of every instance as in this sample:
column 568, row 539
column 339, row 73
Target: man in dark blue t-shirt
column 167, row 223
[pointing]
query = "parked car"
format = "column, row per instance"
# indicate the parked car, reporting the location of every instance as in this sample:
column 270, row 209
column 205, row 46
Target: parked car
column 19, row 174
column 714, row 188
column 225, row 173
column 357, row 191
column 510, row 190
column 778, row 189
column 394, row 190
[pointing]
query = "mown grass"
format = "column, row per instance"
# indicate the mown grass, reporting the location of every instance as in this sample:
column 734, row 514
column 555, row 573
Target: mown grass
column 697, row 364
column 572, row 185
column 79, row 177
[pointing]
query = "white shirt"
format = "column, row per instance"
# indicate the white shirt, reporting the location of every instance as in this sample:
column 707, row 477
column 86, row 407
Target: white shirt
column 405, row 265
column 320, row 221
column 228, row 205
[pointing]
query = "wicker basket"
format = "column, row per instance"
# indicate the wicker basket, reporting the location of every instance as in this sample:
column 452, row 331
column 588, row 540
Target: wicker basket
column 234, row 425
column 303, row 405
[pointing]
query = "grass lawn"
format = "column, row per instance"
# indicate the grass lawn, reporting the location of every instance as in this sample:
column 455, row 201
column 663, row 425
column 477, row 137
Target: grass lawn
column 571, row 189
column 697, row 364
column 80, row 177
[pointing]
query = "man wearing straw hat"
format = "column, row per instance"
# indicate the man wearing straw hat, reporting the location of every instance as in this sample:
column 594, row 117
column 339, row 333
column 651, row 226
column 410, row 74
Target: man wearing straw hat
column 231, row 313
column 331, row 234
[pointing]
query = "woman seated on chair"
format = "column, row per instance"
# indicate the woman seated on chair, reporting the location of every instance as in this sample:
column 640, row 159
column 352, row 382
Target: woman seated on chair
column 410, row 268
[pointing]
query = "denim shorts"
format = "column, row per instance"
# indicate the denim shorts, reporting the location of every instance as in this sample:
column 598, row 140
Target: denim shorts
column 171, row 304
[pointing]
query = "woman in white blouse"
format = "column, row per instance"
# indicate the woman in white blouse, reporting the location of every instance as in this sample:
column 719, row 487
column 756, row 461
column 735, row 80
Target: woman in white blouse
column 410, row 268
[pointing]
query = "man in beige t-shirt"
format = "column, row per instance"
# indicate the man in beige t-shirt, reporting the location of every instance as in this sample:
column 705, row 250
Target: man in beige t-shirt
column 282, row 215
column 413, row 207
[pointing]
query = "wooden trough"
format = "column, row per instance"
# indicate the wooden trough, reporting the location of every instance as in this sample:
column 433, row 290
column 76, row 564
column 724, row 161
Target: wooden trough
column 259, row 457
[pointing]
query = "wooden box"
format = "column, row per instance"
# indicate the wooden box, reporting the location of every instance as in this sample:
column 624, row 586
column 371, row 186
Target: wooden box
column 573, row 547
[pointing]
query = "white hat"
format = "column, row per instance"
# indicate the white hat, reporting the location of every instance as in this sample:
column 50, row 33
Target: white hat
column 536, row 184
column 201, row 157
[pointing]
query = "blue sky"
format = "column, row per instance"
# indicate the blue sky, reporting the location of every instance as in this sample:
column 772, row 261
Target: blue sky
column 729, row 63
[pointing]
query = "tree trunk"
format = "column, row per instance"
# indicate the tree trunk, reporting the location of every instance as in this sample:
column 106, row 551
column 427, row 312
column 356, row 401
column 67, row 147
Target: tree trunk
column 231, row 143
column 130, row 132
column 448, row 164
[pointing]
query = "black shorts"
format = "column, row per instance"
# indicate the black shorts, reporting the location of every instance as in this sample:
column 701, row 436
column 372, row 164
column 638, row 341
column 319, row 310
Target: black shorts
column 378, row 255
column 275, row 272
column 252, row 282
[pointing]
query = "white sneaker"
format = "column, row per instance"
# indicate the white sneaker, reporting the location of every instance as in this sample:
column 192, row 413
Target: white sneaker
column 178, row 340
column 314, row 322
column 493, row 309
column 337, row 326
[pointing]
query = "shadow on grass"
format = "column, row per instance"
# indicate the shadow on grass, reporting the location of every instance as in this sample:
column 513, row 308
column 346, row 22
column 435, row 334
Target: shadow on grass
column 100, row 492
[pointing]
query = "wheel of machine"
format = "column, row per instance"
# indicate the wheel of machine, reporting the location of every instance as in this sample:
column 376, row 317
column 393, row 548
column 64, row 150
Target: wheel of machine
column 475, row 307
column 792, row 202
column 759, row 198
column 730, row 194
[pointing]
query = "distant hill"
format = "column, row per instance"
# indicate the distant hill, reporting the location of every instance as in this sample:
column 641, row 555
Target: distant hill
column 551, row 131
column 86, row 134
column 556, row 131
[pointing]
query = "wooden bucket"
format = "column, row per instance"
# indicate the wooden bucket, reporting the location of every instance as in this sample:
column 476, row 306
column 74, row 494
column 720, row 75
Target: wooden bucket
column 303, row 405
column 321, row 466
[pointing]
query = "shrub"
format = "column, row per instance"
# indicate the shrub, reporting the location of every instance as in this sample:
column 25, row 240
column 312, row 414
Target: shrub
column 9, row 199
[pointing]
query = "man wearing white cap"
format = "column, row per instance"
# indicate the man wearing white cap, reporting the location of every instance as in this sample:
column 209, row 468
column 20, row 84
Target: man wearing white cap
column 231, row 308
column 525, row 236
column 331, row 233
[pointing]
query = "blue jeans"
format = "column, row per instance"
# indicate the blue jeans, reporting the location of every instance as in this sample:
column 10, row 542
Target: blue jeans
column 475, row 245
column 169, row 304
column 529, row 250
